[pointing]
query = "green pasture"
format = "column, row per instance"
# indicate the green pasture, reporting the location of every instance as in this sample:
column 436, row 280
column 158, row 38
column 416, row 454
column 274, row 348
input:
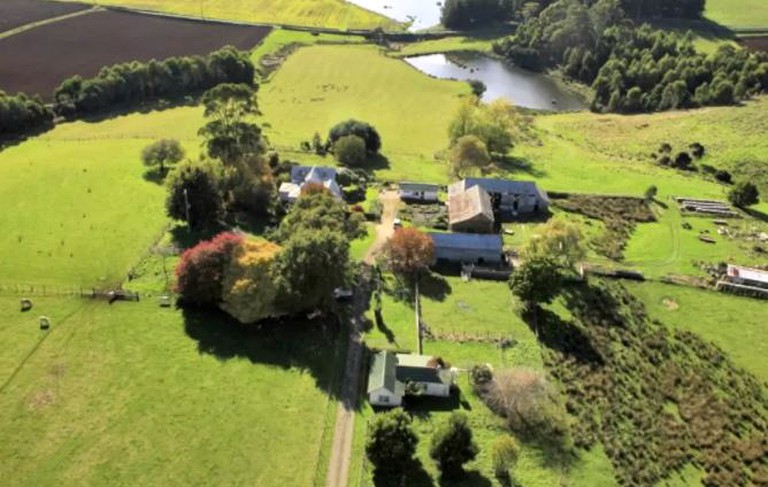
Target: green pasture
column 280, row 38
column 446, row 44
column 332, row 14
column 738, row 14
column 665, row 247
column 359, row 247
column 734, row 138
column 319, row 86
column 77, row 209
column 735, row 324
column 134, row 394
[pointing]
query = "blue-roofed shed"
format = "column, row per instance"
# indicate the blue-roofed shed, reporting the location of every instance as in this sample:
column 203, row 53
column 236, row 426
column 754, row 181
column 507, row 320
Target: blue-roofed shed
column 468, row 248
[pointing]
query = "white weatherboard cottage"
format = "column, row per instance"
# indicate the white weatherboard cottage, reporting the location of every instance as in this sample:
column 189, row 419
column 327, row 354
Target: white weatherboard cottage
column 301, row 176
column 419, row 192
column 390, row 374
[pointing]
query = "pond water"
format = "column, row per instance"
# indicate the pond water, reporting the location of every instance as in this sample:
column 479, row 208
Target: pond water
column 503, row 80
column 421, row 13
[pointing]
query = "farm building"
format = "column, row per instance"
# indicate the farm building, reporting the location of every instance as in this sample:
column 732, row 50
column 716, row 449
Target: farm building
column 748, row 276
column 419, row 192
column 470, row 211
column 390, row 374
column 509, row 198
column 301, row 176
column 468, row 248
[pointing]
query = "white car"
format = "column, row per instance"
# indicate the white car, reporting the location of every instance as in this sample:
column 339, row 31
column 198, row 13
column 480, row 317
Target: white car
column 341, row 294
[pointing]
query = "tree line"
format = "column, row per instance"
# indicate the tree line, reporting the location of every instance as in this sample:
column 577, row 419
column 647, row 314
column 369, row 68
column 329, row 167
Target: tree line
column 468, row 14
column 633, row 69
column 21, row 114
column 136, row 82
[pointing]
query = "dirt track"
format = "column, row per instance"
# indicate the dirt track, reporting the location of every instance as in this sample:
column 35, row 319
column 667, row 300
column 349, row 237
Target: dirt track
column 390, row 201
column 38, row 60
column 15, row 13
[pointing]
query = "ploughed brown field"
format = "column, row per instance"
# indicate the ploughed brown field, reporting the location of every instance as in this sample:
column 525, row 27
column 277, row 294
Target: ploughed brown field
column 38, row 60
column 756, row 43
column 15, row 13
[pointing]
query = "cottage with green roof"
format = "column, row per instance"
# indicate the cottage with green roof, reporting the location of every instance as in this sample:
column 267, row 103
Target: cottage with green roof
column 390, row 374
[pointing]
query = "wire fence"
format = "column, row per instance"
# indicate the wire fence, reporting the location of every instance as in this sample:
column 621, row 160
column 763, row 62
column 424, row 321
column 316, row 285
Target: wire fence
column 20, row 289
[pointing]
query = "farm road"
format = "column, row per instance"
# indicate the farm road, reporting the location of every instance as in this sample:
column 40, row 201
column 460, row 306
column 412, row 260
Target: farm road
column 390, row 201
column 341, row 449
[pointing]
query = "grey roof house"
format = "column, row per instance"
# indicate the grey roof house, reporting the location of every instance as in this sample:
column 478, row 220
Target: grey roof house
column 390, row 373
column 510, row 198
column 301, row 176
column 468, row 248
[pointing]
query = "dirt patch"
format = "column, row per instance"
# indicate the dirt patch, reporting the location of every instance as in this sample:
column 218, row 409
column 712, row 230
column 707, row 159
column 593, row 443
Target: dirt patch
column 671, row 304
column 16, row 13
column 38, row 60
column 41, row 399
column 756, row 43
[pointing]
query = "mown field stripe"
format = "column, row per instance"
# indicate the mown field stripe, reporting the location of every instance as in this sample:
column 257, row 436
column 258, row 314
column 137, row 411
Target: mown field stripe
column 52, row 20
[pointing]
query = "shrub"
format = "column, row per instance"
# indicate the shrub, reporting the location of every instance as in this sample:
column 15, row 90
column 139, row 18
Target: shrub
column 363, row 130
column 504, row 453
column 697, row 150
column 478, row 87
column 195, row 195
column 200, row 273
column 350, row 150
column 724, row 177
column 744, row 194
column 391, row 442
column 248, row 288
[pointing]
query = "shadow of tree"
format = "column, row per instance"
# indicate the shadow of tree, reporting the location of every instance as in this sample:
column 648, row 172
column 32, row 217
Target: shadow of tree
column 471, row 478
column 184, row 238
column 757, row 215
column 508, row 163
column 312, row 347
column 434, row 286
column 422, row 407
column 384, row 329
column 565, row 337
column 155, row 175
column 415, row 475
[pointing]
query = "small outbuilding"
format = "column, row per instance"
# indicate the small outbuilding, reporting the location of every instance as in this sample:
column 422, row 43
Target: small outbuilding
column 468, row 248
column 419, row 192
column 470, row 211
column 748, row 276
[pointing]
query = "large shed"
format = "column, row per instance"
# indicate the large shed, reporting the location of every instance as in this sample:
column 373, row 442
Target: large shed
column 470, row 211
column 510, row 198
column 468, row 248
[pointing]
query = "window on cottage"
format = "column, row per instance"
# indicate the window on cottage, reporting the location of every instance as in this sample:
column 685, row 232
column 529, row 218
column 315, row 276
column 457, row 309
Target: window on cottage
column 383, row 398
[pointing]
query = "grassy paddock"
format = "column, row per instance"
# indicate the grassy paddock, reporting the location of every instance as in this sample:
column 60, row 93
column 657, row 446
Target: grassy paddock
column 77, row 208
column 319, row 86
column 734, row 323
column 135, row 394
column 280, row 38
column 738, row 13
column 335, row 14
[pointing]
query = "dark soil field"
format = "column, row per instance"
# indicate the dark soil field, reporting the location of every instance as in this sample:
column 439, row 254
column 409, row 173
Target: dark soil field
column 15, row 13
column 756, row 43
column 37, row 61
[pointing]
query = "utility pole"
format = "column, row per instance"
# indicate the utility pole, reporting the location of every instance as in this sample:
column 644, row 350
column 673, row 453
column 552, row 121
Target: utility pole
column 186, row 208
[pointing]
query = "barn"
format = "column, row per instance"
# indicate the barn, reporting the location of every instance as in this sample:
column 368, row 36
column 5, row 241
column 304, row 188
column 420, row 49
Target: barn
column 468, row 248
column 470, row 211
column 509, row 198
column 419, row 192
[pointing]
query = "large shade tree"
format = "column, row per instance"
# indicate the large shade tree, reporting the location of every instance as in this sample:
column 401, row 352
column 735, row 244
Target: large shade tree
column 195, row 195
column 162, row 153
column 391, row 442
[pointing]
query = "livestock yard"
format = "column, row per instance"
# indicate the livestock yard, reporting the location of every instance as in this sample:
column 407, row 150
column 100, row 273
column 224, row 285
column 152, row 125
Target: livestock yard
column 651, row 375
column 38, row 60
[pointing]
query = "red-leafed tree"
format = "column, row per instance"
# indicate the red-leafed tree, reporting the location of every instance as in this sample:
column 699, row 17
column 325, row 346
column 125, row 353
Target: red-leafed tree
column 200, row 273
column 410, row 251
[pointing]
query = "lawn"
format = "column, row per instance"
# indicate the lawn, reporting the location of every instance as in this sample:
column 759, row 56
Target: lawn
column 334, row 14
column 77, row 210
column 738, row 14
column 734, row 323
column 279, row 38
column 320, row 86
column 133, row 394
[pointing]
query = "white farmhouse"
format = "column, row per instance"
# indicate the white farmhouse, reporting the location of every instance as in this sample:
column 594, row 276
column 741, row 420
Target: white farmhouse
column 419, row 192
column 392, row 376
column 301, row 176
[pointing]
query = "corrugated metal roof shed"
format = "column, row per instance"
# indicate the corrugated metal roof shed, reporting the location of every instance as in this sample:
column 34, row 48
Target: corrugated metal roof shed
column 467, row 241
column 469, row 205
column 500, row 186
column 408, row 186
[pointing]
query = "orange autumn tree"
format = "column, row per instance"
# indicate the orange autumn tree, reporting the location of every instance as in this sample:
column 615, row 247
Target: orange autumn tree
column 410, row 251
column 248, row 288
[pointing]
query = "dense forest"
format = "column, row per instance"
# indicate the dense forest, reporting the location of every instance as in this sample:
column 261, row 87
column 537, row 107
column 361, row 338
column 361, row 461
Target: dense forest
column 632, row 69
column 134, row 83
column 20, row 114
column 467, row 14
